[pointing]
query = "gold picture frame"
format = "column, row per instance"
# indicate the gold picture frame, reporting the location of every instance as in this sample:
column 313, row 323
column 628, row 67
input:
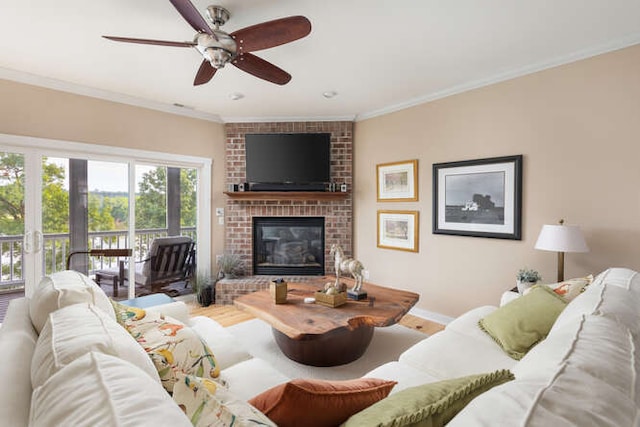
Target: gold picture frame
column 397, row 181
column 398, row 230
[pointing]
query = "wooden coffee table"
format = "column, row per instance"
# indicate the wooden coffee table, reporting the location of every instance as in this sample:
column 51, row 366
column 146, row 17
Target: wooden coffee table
column 317, row 335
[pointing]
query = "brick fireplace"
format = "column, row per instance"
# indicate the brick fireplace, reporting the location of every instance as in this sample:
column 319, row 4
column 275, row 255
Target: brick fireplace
column 337, row 213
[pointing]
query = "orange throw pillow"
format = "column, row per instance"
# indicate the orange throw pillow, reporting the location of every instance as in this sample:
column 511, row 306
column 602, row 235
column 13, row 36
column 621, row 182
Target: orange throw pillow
column 319, row 403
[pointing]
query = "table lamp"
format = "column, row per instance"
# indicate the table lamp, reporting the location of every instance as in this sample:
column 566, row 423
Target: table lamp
column 561, row 238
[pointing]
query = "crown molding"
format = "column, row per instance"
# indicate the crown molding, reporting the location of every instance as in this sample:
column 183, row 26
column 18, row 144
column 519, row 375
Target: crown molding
column 277, row 119
column 55, row 84
column 512, row 74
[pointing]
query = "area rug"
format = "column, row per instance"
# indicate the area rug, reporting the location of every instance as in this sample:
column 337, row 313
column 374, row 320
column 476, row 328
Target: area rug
column 386, row 346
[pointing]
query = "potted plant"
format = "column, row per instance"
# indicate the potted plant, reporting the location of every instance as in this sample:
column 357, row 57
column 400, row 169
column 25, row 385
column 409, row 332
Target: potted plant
column 229, row 265
column 203, row 288
column 527, row 278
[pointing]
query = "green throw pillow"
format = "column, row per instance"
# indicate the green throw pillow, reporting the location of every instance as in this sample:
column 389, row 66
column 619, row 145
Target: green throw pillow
column 525, row 321
column 428, row 405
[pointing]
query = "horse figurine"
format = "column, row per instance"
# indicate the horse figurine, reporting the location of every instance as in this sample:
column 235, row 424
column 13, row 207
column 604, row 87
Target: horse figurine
column 347, row 265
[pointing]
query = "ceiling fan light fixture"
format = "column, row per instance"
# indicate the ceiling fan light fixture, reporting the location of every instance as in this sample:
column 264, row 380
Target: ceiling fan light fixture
column 329, row 94
column 235, row 96
column 217, row 57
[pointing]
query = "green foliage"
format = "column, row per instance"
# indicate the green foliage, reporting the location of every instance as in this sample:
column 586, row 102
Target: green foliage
column 230, row 265
column 106, row 212
column 188, row 200
column 528, row 275
column 151, row 201
column 11, row 192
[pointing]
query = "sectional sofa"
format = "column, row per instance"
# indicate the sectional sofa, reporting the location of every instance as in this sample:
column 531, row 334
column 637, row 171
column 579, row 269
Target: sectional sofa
column 583, row 372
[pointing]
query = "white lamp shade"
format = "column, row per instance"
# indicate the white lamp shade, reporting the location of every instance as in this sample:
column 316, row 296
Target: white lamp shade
column 561, row 238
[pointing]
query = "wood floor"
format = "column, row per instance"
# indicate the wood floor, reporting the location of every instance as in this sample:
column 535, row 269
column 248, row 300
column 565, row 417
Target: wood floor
column 228, row 315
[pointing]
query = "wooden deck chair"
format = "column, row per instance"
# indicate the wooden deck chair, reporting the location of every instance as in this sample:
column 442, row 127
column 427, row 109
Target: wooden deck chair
column 170, row 260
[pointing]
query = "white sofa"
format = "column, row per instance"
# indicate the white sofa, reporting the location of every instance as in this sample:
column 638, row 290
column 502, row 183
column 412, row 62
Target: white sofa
column 244, row 375
column 583, row 373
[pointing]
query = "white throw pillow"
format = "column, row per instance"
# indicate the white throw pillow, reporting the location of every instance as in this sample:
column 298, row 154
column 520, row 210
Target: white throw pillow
column 102, row 390
column 62, row 289
column 77, row 329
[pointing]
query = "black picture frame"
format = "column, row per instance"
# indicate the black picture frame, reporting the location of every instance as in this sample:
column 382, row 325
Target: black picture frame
column 478, row 198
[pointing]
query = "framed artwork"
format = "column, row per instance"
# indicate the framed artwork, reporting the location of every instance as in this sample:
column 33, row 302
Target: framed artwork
column 398, row 230
column 397, row 182
column 479, row 198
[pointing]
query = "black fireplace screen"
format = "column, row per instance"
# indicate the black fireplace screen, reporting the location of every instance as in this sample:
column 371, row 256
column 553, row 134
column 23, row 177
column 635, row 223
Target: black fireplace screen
column 288, row 245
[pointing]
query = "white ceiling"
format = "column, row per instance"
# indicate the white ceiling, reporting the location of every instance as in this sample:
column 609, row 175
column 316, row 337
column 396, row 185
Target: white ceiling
column 378, row 55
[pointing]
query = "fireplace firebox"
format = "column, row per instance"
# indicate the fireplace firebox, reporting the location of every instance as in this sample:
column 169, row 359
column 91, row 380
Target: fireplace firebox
column 288, row 246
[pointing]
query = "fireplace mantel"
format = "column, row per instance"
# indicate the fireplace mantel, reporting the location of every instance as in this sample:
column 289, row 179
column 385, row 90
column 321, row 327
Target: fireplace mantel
column 287, row 195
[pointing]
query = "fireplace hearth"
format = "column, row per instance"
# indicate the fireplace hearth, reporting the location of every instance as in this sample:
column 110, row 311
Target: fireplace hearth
column 288, row 245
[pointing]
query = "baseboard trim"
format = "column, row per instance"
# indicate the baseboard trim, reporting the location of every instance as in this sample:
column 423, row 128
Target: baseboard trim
column 431, row 315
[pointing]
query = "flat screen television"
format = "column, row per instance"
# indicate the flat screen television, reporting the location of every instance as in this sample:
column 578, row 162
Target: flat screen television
column 291, row 161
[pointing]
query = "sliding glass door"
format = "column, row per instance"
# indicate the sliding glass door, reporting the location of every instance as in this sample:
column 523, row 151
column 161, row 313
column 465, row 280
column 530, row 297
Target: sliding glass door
column 55, row 202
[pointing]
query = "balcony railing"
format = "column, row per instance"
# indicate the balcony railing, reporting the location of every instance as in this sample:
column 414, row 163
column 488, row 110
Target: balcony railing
column 56, row 250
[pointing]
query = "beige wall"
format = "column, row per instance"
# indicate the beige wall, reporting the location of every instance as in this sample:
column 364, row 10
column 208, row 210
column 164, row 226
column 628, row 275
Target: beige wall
column 38, row 112
column 578, row 127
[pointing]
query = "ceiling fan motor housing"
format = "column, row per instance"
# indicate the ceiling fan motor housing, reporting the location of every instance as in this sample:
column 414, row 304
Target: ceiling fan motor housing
column 217, row 52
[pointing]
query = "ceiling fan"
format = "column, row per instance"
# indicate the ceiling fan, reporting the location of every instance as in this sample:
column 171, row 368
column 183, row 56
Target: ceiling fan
column 220, row 48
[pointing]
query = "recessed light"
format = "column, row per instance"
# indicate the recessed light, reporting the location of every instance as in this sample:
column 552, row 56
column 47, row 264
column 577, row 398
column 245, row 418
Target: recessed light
column 179, row 105
column 329, row 94
column 235, row 96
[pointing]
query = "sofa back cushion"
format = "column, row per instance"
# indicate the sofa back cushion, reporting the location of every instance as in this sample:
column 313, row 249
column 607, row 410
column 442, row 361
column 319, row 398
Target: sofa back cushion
column 18, row 342
column 101, row 390
column 77, row 329
column 590, row 378
column 62, row 289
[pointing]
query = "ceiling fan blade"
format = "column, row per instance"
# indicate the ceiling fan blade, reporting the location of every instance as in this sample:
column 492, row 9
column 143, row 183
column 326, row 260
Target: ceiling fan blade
column 154, row 42
column 261, row 69
column 192, row 16
column 204, row 74
column 271, row 33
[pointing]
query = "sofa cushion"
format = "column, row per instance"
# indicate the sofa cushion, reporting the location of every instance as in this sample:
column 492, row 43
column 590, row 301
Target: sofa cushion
column 319, row 403
column 522, row 323
column 174, row 348
column 207, row 404
column 251, row 377
column 464, row 355
column 467, row 323
column 591, row 380
column 406, row 375
column 433, row 404
column 62, row 289
column 224, row 345
column 608, row 300
column 621, row 277
column 18, row 342
column 503, row 405
column 74, row 330
column 101, row 390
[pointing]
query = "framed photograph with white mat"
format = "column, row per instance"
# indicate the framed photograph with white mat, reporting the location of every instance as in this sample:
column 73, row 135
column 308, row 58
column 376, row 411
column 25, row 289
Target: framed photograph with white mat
column 398, row 230
column 479, row 198
column 397, row 182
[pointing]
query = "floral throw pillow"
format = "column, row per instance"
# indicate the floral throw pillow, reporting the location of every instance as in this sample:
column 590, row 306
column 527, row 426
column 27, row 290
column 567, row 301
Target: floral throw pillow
column 207, row 404
column 569, row 289
column 126, row 314
column 174, row 348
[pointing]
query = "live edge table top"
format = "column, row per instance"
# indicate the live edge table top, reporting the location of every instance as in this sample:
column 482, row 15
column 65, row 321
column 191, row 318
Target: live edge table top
column 298, row 320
